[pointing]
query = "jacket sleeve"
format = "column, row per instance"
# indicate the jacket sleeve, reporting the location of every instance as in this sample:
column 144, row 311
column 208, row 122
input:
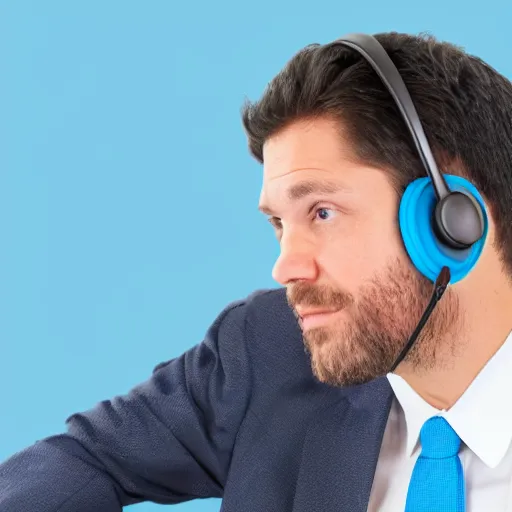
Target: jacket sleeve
column 169, row 440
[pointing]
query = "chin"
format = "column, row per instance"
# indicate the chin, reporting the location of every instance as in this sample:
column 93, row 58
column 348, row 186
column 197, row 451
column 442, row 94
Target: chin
column 336, row 363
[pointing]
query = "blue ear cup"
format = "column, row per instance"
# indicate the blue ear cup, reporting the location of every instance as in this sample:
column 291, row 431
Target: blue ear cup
column 427, row 253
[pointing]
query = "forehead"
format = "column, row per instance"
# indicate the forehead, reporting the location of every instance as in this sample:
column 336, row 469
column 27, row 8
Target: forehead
column 309, row 152
column 304, row 144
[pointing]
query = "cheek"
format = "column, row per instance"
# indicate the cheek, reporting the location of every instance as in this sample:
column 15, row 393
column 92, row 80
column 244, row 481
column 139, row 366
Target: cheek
column 362, row 253
column 381, row 247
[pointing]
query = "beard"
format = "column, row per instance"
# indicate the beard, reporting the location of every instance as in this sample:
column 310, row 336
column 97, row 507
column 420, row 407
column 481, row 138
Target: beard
column 375, row 327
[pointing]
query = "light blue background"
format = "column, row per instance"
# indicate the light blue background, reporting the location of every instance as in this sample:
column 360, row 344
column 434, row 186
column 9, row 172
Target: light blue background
column 127, row 196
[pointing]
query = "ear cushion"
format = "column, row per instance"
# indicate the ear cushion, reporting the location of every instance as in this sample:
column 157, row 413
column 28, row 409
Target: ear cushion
column 428, row 254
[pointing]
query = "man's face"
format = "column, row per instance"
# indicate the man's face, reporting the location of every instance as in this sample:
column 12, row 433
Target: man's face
column 348, row 278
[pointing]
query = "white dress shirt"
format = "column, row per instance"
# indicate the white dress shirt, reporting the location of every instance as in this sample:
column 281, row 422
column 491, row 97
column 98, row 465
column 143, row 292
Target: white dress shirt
column 482, row 418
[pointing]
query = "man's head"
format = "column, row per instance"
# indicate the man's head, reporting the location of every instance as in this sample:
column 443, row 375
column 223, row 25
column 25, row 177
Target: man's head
column 337, row 158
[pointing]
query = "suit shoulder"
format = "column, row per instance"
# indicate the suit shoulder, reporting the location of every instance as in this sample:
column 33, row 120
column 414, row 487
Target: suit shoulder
column 258, row 305
column 267, row 298
column 261, row 297
column 267, row 310
column 271, row 327
column 263, row 324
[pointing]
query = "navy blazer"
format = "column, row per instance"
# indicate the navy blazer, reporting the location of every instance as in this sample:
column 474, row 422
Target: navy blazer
column 239, row 416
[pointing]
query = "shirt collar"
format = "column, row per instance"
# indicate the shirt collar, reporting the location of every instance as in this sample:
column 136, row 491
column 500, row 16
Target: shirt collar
column 482, row 417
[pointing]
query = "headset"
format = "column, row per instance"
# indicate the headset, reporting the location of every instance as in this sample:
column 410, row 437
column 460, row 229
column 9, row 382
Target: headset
column 443, row 219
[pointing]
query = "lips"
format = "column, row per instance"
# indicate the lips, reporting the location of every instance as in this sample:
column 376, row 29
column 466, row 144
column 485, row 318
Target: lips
column 303, row 312
column 309, row 318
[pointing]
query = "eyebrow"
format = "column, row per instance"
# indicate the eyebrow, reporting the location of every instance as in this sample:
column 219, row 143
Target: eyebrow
column 303, row 189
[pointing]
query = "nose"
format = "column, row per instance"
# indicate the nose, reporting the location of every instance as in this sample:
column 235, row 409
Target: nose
column 296, row 261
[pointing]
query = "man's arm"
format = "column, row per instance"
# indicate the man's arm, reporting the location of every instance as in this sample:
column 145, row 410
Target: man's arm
column 169, row 440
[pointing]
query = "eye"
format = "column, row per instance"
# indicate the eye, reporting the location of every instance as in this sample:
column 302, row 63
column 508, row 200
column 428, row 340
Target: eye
column 324, row 214
column 276, row 223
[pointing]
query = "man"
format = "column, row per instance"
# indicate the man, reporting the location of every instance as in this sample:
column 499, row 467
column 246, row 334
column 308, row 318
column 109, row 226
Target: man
column 294, row 408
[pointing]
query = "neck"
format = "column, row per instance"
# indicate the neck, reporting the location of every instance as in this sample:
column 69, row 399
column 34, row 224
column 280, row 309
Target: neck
column 488, row 324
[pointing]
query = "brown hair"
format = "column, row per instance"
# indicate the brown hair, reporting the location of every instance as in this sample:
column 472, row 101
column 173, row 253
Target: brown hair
column 464, row 104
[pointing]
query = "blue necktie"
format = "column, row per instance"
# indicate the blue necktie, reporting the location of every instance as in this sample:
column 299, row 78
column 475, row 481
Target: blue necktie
column 437, row 481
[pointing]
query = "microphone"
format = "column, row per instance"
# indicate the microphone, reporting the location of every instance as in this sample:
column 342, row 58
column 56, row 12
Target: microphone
column 440, row 285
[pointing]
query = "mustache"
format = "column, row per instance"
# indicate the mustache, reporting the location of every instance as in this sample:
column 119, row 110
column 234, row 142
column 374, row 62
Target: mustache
column 308, row 295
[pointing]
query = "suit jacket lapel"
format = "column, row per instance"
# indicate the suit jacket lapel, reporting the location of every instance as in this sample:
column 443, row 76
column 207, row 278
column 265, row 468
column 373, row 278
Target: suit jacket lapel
column 341, row 450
